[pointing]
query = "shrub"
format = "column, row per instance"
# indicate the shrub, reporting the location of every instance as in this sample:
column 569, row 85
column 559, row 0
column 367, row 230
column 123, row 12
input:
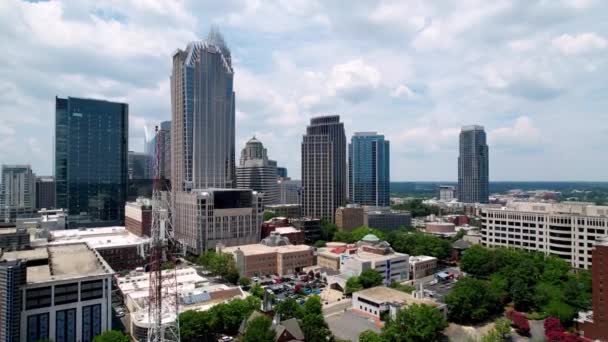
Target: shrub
column 519, row 321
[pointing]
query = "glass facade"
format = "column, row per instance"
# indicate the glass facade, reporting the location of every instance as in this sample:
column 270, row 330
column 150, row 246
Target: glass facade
column 369, row 169
column 473, row 166
column 91, row 322
column 65, row 326
column 38, row 327
column 91, row 141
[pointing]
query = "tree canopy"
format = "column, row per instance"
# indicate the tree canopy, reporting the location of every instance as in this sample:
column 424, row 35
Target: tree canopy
column 111, row 336
column 419, row 244
column 472, row 300
column 370, row 278
column 415, row 323
column 417, row 208
column 220, row 264
column 259, row 329
column 313, row 324
column 289, row 308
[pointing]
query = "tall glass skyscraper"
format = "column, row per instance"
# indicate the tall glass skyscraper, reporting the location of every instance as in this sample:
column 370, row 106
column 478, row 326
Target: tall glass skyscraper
column 369, row 169
column 203, row 121
column 323, row 167
column 91, row 143
column 255, row 171
column 473, row 166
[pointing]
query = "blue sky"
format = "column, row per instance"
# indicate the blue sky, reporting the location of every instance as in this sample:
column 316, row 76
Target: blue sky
column 533, row 72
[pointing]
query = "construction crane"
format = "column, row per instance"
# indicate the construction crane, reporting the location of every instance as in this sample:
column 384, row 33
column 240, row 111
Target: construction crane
column 163, row 308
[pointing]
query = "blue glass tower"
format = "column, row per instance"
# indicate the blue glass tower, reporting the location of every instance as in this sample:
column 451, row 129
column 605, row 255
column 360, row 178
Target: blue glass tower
column 368, row 169
column 91, row 142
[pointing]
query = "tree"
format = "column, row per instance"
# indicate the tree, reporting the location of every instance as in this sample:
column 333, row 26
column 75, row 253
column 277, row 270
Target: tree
column 269, row 215
column 194, row 325
column 344, row 236
column 503, row 327
column 564, row 312
column 353, row 285
column 314, row 327
column 416, row 323
column 289, row 308
column 477, row 261
column 492, row 336
column 370, row 336
column 244, row 281
column 419, row 244
column 471, row 301
column 111, row 336
column 257, row 291
column 370, row 278
column 313, row 306
column 320, row 244
column 328, row 230
column 259, row 329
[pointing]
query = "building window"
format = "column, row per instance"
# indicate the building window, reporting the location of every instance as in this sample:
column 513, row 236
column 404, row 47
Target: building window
column 66, row 293
column 91, row 290
column 38, row 298
column 91, row 322
column 38, row 327
column 65, row 326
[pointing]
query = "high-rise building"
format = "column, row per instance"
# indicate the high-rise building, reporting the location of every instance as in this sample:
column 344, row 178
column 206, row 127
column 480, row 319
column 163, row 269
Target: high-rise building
column 594, row 325
column 282, row 172
column 161, row 141
column 290, row 191
column 323, row 167
column 17, row 195
column 91, row 163
column 447, row 193
column 473, row 166
column 203, row 116
column 204, row 219
column 256, row 172
column 368, row 169
column 140, row 165
column 45, row 192
column 350, row 217
column 12, row 278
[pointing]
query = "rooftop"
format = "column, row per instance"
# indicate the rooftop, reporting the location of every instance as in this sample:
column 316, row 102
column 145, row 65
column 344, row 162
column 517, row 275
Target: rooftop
column 377, row 257
column 60, row 262
column 258, row 248
column 98, row 238
column 421, row 258
column 287, row 230
column 383, row 294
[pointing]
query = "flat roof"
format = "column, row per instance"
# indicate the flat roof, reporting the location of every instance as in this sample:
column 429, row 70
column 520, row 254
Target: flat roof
column 62, row 262
column 373, row 256
column 287, row 230
column 259, row 248
column 98, row 238
column 421, row 258
column 383, row 294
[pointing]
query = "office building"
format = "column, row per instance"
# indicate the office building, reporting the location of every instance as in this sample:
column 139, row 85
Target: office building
column 369, row 169
column 447, row 193
column 422, row 266
column 273, row 255
column 91, row 163
column 140, row 165
column 311, row 228
column 194, row 293
column 473, row 166
column 285, row 210
column 202, row 125
column 138, row 216
column 45, row 192
column 13, row 239
column 205, row 218
column 281, row 172
column 386, row 218
column 350, row 217
column 594, row 324
column 12, row 279
column 17, row 194
column 323, row 167
column 160, row 144
column 63, row 293
column 44, row 220
column 333, row 255
column 256, row 172
column 567, row 230
column 290, row 191
column 121, row 249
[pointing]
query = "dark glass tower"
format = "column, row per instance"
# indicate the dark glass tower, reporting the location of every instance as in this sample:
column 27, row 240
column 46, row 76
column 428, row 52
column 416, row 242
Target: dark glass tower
column 323, row 167
column 91, row 142
column 473, row 167
column 368, row 169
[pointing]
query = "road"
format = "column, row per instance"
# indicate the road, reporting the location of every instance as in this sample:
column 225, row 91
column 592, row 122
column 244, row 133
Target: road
column 335, row 308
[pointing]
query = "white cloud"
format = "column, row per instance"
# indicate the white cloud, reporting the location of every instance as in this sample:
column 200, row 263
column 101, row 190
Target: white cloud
column 523, row 133
column 403, row 91
column 354, row 80
column 579, row 44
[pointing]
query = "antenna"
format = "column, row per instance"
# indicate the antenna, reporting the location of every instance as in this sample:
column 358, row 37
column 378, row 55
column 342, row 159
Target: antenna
column 163, row 308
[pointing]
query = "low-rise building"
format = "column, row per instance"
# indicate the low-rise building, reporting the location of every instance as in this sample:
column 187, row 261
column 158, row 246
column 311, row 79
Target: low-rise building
column 594, row 324
column 333, row 255
column 46, row 220
column 289, row 210
column 120, row 248
column 273, row 255
column 311, row 228
column 138, row 216
column 378, row 300
column 59, row 292
column 388, row 219
column 422, row 266
column 295, row 236
column 12, row 239
column 193, row 293
column 350, row 217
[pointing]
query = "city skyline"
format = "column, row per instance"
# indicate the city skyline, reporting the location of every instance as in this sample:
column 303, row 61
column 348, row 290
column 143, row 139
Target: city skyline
column 416, row 75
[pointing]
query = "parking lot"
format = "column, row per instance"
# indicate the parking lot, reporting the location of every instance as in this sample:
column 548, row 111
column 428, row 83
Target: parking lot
column 296, row 287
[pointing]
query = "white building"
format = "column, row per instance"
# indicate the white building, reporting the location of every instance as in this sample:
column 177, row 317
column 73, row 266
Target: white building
column 377, row 255
column 377, row 300
column 255, row 171
column 290, row 191
column 208, row 217
column 567, row 230
column 422, row 266
column 66, row 295
column 193, row 292
column 447, row 193
column 17, row 192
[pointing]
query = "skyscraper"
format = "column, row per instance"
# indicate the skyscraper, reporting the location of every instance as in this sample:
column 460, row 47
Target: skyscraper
column 323, row 167
column 45, row 192
column 473, row 166
column 368, row 169
column 18, row 192
column 282, row 172
column 91, row 142
column 162, row 142
column 202, row 132
column 256, row 172
column 140, row 165
column 12, row 278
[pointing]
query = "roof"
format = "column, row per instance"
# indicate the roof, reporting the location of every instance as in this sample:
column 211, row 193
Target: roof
column 461, row 244
column 258, row 248
column 421, row 258
column 287, row 230
column 370, row 238
column 383, row 294
column 98, row 238
column 292, row 326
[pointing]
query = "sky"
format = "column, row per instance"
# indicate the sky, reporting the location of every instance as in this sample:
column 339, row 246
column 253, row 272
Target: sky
column 532, row 72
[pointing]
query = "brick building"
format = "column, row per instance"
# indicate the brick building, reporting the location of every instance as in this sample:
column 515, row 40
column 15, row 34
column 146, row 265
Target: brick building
column 594, row 324
column 138, row 217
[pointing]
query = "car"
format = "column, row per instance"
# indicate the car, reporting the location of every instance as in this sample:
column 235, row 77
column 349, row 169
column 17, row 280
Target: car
column 226, row 338
column 256, row 279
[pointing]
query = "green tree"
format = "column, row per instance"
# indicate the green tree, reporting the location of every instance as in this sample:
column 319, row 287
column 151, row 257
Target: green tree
column 353, row 285
column 359, row 232
column 289, row 308
column 471, row 300
column 416, row 323
column 477, row 261
column 244, row 281
column 370, row 278
column 492, row 336
column 320, row 244
column 259, row 329
column 314, row 327
column 328, row 230
column 313, row 306
column 257, row 291
column 561, row 310
column 269, row 215
column 111, row 336
column 343, row 236
column 503, row 327
column 194, row 325
column 419, row 244
column 370, row 336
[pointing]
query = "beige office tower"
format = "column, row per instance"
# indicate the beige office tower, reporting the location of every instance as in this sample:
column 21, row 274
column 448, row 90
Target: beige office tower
column 255, row 171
